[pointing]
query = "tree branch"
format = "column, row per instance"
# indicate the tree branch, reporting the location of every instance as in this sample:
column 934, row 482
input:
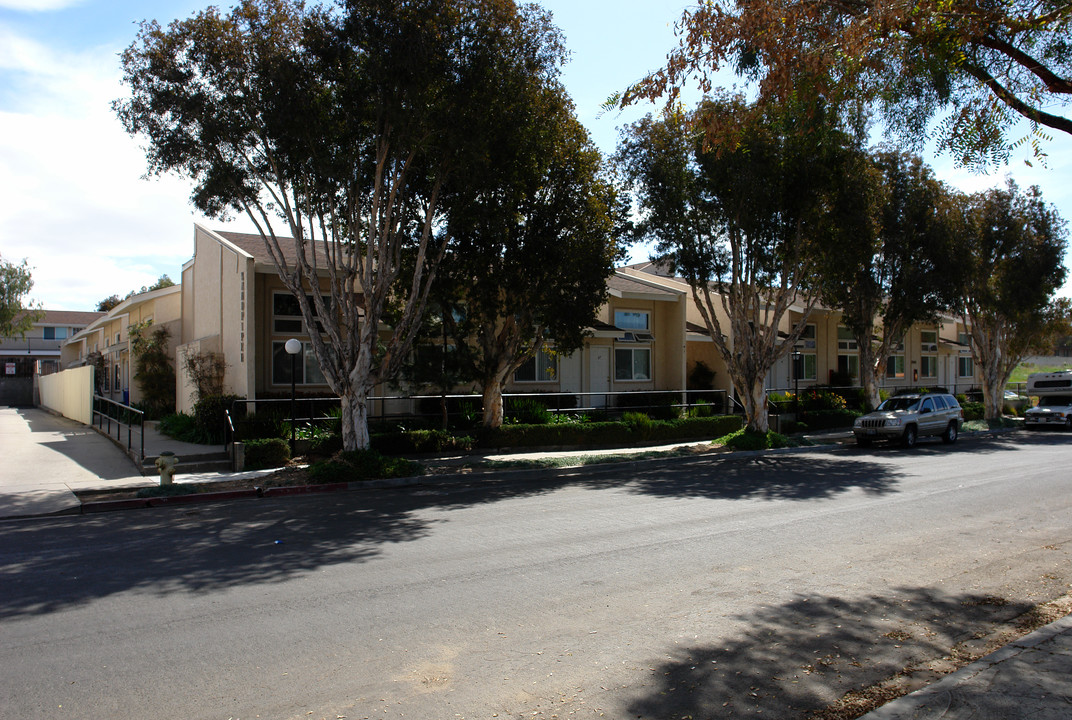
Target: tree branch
column 1054, row 83
column 1056, row 122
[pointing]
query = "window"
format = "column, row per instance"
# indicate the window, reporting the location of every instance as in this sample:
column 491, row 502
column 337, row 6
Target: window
column 928, row 341
column 965, row 367
column 895, row 367
column 928, row 366
column 632, row 364
column 807, row 338
column 286, row 313
column 845, row 340
column 107, row 380
column 631, row 320
column 964, row 338
column 805, row 367
column 542, row 367
column 849, row 365
column 54, row 333
column 118, row 382
column 307, row 370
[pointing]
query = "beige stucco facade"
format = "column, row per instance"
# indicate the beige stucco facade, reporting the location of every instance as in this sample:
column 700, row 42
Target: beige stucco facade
column 110, row 336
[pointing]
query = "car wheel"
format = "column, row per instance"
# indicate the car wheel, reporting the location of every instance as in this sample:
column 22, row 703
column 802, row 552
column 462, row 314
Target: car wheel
column 950, row 434
column 909, row 438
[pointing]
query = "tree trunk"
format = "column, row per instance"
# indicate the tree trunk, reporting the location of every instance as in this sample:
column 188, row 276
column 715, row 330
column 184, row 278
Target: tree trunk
column 869, row 377
column 493, row 405
column 355, row 434
column 755, row 407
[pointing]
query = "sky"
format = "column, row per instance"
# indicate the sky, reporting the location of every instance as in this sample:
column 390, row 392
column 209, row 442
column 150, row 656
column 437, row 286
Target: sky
column 74, row 199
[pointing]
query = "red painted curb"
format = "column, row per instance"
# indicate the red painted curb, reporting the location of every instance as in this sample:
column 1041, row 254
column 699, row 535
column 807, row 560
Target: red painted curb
column 203, row 497
column 110, row 505
column 304, row 489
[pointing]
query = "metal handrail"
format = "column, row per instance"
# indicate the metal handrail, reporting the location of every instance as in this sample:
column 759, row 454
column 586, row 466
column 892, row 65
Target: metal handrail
column 100, row 403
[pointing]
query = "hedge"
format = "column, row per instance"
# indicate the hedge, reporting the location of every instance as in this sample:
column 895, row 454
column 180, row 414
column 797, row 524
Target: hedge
column 608, row 433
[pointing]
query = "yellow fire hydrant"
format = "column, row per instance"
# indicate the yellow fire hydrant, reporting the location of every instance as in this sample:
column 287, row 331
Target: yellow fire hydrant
column 165, row 465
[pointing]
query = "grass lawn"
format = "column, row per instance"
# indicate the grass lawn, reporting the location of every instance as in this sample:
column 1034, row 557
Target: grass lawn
column 1019, row 375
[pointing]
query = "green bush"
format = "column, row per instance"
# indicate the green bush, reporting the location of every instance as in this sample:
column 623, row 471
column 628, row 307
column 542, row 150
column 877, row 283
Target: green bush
column 827, row 419
column 266, row 453
column 526, row 411
column 261, row 425
column 356, row 465
column 745, row 439
column 180, row 426
column 405, row 442
column 660, row 405
column 817, row 399
column 608, row 434
column 973, row 410
column 209, row 416
column 701, row 409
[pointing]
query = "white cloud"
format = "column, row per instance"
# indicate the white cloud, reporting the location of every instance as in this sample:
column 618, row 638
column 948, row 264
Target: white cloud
column 38, row 5
column 75, row 201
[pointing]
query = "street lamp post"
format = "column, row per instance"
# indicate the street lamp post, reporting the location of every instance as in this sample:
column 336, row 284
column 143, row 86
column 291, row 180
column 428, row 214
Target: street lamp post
column 293, row 347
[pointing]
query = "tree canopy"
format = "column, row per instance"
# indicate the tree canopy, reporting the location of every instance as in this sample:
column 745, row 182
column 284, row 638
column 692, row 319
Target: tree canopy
column 16, row 315
column 742, row 209
column 1012, row 248
column 975, row 66
column 345, row 130
column 901, row 265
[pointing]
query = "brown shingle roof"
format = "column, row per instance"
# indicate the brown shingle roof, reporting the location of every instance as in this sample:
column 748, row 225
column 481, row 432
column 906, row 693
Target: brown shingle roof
column 253, row 244
column 624, row 284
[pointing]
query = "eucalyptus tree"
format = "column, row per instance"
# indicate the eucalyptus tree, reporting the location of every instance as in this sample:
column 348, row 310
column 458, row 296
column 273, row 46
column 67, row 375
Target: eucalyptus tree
column 338, row 132
column 976, row 67
column 534, row 248
column 737, row 198
column 898, row 264
column 1013, row 249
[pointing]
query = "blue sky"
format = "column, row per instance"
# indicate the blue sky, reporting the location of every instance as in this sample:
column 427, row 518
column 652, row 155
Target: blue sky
column 75, row 203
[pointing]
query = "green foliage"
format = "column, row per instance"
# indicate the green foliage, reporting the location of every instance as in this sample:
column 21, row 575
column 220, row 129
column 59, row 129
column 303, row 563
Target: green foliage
column 421, row 441
column 701, row 409
column 828, row 419
column 660, row 405
column 608, row 434
column 15, row 283
column 266, row 453
column 973, row 410
column 357, row 465
column 746, row 439
column 638, row 423
column 152, row 368
column 182, row 427
column 526, row 411
column 210, row 419
column 261, row 425
column 817, row 399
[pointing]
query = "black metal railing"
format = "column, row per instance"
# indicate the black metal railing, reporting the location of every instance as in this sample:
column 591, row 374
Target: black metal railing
column 123, row 416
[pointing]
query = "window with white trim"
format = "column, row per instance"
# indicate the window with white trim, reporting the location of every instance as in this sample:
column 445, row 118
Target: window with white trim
column 928, row 341
column 632, row 320
column 286, row 313
column 632, row 364
column 307, row 369
column 846, row 341
column 808, row 369
column 807, row 338
column 928, row 366
column 965, row 366
column 895, row 367
column 541, row 367
column 849, row 365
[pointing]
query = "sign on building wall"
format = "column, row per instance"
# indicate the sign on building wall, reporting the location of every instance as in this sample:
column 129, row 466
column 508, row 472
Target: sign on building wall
column 9, row 368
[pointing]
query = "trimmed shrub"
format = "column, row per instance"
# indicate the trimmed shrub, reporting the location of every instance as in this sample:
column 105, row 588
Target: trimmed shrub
column 608, row 434
column 266, row 453
column 526, row 411
column 209, row 416
column 827, row 419
column 420, row 441
column 180, row 426
column 745, row 439
column 973, row 410
column 355, row 465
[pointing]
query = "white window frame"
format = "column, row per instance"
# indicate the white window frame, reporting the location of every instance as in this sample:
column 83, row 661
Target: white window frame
column 545, row 368
column 632, row 376
column 622, row 314
column 961, row 359
column 928, row 345
column 300, row 328
column 846, row 342
column 891, row 364
column 810, row 374
column 307, row 356
column 853, row 360
column 926, row 360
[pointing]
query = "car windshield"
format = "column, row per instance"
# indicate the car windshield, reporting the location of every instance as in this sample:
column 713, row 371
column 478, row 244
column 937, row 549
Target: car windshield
column 899, row 403
column 1055, row 401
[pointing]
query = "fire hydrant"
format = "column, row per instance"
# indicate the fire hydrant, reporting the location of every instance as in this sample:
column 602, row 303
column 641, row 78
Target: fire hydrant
column 165, row 465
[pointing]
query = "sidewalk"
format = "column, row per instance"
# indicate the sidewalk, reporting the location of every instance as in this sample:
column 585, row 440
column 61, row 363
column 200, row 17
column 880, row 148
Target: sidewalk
column 1028, row 678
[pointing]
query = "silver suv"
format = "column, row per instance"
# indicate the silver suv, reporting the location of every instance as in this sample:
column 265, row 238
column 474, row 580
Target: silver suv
column 909, row 417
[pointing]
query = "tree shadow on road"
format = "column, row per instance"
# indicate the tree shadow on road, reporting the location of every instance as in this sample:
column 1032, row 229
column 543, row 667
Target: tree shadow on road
column 801, row 656
column 53, row 564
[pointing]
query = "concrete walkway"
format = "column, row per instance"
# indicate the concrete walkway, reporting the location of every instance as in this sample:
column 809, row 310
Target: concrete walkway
column 46, row 457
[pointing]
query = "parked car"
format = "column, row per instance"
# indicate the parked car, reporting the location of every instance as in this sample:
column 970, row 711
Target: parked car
column 906, row 418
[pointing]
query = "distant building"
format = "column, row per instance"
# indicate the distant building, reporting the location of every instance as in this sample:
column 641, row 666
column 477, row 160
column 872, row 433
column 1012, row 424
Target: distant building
column 38, row 353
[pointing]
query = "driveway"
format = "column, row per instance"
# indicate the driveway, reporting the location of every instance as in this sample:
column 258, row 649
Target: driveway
column 46, row 457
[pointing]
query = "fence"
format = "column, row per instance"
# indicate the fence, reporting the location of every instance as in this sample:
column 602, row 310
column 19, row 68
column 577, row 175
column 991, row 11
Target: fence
column 109, row 411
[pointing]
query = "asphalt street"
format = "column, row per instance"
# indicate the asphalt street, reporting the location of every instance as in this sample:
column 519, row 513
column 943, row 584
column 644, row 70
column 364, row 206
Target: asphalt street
column 711, row 587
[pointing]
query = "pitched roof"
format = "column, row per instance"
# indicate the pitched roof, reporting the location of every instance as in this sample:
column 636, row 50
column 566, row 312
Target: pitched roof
column 68, row 317
column 253, row 245
column 624, row 285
